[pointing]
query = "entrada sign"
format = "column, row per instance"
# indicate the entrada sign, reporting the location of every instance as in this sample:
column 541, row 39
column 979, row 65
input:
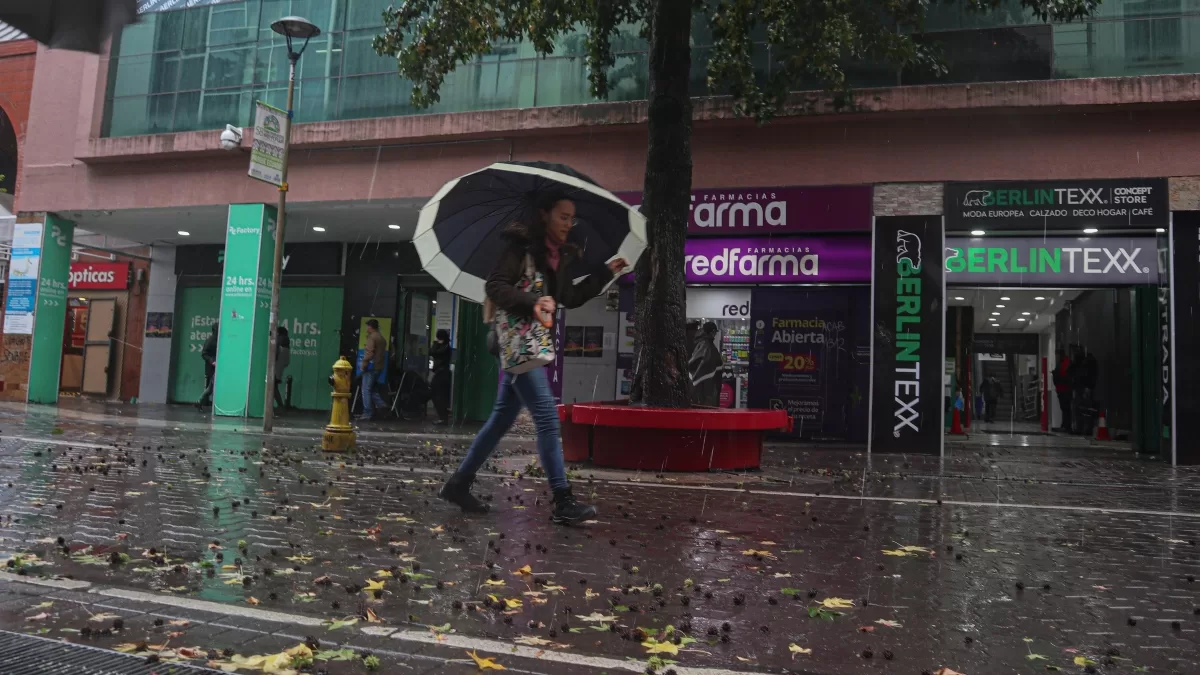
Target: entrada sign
column 1084, row 261
column 1136, row 203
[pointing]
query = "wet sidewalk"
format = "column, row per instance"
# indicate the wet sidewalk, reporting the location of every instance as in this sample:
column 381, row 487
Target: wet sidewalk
column 997, row 559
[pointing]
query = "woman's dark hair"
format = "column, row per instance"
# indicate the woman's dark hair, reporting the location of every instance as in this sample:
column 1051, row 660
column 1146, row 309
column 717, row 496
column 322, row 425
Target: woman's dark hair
column 443, row 334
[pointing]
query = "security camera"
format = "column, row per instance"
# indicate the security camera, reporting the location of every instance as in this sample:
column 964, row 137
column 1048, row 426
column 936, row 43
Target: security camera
column 231, row 138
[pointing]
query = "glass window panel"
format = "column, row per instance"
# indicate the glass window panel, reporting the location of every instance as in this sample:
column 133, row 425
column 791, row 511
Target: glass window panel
column 234, row 23
column 229, row 68
column 231, row 106
column 365, row 13
column 192, row 67
column 127, row 116
column 133, row 76
column 360, row 58
column 628, row 80
column 195, row 27
column 375, row 96
column 322, row 58
column 138, row 38
column 562, row 81
column 187, row 111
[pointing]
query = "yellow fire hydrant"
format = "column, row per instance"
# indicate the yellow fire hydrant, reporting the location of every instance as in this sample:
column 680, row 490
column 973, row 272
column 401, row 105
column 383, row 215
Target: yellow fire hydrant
column 339, row 435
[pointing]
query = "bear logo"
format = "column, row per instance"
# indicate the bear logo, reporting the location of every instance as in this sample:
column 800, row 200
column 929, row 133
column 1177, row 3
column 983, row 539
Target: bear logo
column 975, row 198
column 908, row 246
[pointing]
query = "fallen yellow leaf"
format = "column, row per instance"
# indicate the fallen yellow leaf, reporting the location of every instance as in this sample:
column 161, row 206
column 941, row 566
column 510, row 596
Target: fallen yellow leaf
column 655, row 647
column 488, row 663
column 512, row 603
column 252, row 600
column 1083, row 661
column 372, row 617
column 797, row 649
column 837, row 603
column 373, row 585
column 526, row 570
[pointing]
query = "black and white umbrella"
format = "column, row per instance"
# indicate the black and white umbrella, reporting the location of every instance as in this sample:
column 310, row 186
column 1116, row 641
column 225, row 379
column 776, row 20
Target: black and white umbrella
column 459, row 233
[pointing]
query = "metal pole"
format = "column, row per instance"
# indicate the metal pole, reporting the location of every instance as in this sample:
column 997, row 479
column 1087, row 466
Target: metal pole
column 277, row 272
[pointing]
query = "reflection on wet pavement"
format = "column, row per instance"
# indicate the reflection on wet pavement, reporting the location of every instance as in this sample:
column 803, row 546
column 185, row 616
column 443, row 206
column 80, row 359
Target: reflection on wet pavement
column 997, row 560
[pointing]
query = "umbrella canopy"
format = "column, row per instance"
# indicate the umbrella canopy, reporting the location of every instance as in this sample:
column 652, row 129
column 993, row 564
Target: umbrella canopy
column 459, row 233
column 79, row 25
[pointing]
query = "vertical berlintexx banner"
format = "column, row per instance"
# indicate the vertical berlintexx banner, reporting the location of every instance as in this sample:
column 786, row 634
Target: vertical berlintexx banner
column 908, row 331
column 244, row 334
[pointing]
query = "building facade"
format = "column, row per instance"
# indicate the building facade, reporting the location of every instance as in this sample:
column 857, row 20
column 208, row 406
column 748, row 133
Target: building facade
column 126, row 144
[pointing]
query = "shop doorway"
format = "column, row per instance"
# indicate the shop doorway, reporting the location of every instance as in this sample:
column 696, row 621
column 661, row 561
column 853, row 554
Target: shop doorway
column 88, row 346
column 1079, row 365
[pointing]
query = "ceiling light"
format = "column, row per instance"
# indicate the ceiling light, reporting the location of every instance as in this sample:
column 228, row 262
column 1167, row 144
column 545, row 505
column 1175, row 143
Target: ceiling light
column 959, row 298
column 995, row 313
column 184, row 233
column 1005, row 297
column 1090, row 230
column 977, row 233
column 318, row 229
column 999, row 306
column 393, row 227
column 1160, row 230
column 1024, row 313
column 1039, row 298
column 1020, row 319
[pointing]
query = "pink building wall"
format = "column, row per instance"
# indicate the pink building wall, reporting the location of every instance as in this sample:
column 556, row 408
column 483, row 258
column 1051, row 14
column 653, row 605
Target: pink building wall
column 1026, row 130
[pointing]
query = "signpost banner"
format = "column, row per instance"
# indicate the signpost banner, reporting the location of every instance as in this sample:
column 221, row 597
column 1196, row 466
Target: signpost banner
column 270, row 134
column 1057, row 261
column 778, row 260
column 1133, row 203
column 22, row 278
column 908, row 337
column 46, row 358
column 93, row 276
column 775, row 210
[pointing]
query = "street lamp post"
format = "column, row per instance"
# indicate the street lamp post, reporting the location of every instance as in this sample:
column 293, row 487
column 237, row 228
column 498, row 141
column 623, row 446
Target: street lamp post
column 290, row 27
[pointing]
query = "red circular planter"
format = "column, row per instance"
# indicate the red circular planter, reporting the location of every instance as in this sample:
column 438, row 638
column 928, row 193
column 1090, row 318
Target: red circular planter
column 667, row 439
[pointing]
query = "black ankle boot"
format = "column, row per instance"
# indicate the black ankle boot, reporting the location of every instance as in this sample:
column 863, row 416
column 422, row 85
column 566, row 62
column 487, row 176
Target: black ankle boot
column 457, row 490
column 568, row 511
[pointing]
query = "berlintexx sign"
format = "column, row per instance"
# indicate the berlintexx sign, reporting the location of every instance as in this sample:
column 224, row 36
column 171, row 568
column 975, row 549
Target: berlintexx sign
column 1127, row 204
column 906, row 343
column 1070, row 261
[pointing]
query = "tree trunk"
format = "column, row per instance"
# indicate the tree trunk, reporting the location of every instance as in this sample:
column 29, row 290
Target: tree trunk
column 661, row 375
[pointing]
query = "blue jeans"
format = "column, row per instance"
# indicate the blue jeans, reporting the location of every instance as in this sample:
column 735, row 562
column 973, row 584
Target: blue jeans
column 371, row 397
column 531, row 390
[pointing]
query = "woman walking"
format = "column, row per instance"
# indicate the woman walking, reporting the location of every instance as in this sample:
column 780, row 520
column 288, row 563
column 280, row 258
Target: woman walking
column 542, row 241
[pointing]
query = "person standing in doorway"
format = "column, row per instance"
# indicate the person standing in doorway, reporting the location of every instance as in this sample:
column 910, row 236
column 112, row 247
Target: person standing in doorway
column 440, row 386
column 705, row 367
column 372, row 365
column 1062, row 388
column 209, row 353
column 283, row 356
column 541, row 240
column 992, row 391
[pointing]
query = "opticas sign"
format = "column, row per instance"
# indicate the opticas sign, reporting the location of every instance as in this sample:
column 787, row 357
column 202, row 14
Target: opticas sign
column 1084, row 261
column 99, row 277
column 1125, row 204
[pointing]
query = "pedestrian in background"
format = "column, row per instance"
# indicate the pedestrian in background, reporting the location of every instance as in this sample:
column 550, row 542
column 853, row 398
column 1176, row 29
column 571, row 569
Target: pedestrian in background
column 1062, row 387
column 705, row 367
column 372, row 365
column 538, row 248
column 209, row 353
column 440, row 385
column 992, row 391
column 283, row 356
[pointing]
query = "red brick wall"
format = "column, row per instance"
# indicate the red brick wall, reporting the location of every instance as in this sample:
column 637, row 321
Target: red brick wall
column 16, row 88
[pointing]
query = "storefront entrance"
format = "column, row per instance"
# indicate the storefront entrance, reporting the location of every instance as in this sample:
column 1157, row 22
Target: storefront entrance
column 1023, row 271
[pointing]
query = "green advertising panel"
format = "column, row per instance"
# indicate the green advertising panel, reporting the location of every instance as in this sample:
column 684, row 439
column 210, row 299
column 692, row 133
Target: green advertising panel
column 312, row 316
column 245, row 308
column 51, row 316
